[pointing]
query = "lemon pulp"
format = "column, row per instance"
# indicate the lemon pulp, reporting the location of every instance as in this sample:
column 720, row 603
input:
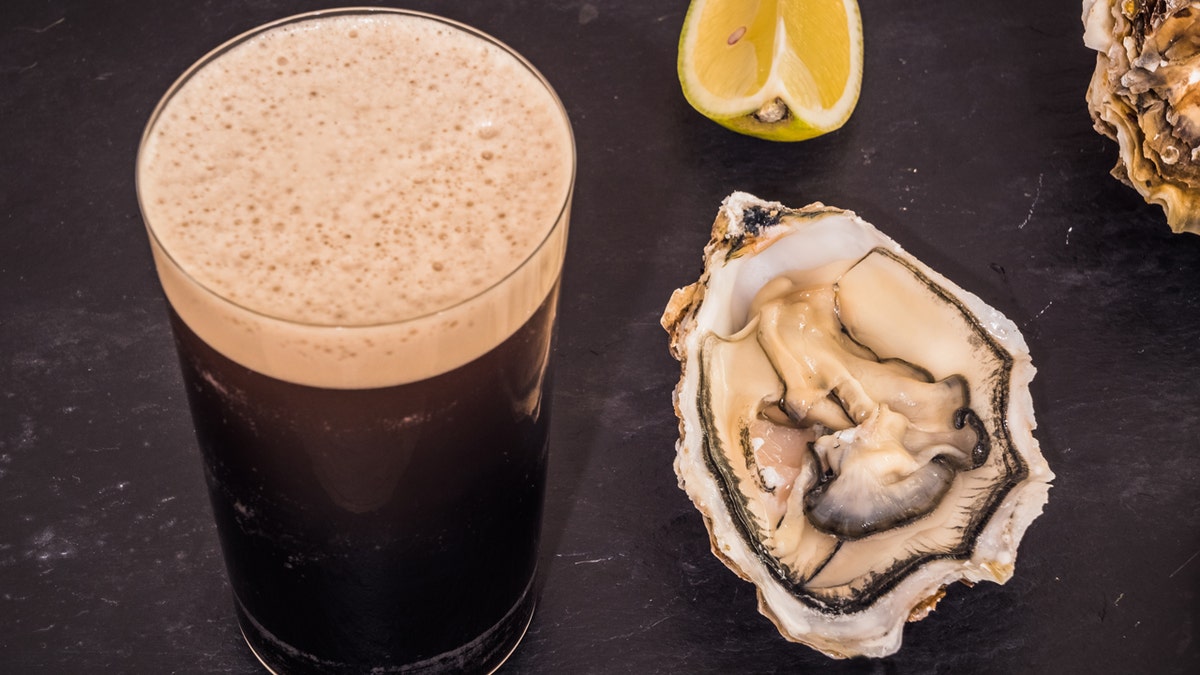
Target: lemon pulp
column 797, row 64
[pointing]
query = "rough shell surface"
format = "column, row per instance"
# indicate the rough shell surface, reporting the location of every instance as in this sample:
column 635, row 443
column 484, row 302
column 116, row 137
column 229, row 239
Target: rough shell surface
column 1145, row 95
column 846, row 592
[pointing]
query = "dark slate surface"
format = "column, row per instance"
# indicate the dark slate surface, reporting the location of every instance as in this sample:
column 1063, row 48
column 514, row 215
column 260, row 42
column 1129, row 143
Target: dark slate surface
column 971, row 146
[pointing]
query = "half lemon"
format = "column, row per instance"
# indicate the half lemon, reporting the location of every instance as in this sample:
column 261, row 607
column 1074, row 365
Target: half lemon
column 783, row 70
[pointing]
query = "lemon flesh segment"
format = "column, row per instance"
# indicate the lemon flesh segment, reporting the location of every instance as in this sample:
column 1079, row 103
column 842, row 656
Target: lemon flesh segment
column 777, row 69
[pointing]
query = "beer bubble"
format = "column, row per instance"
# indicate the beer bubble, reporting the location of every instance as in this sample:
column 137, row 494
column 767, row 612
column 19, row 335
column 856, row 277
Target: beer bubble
column 487, row 130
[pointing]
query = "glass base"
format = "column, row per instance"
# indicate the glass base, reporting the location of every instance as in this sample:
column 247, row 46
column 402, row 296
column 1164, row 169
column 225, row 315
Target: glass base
column 484, row 654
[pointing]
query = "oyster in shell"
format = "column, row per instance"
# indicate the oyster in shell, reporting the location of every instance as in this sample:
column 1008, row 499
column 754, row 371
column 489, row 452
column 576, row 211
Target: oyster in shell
column 1145, row 94
column 855, row 428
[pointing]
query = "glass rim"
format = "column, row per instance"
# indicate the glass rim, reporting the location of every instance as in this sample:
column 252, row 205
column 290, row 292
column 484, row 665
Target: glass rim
column 214, row 54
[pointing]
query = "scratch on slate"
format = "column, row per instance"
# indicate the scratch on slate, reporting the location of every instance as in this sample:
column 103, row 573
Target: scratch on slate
column 589, row 561
column 7, row 70
column 1040, row 313
column 1037, row 195
column 1185, row 564
column 639, row 629
column 41, row 30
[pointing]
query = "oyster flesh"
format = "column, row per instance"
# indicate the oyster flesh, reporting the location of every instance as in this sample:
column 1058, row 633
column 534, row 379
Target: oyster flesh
column 1145, row 94
column 855, row 429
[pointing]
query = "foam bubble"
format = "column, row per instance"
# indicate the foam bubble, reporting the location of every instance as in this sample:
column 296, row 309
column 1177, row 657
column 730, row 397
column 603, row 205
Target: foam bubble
column 334, row 176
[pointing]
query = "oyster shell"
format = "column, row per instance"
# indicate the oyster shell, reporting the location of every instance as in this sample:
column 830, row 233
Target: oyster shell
column 1145, row 95
column 855, row 429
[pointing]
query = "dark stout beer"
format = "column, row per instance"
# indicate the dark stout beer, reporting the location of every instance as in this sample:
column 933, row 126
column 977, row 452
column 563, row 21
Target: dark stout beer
column 359, row 219
column 382, row 525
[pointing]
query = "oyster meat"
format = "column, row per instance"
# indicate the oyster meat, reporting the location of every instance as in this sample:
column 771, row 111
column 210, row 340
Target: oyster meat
column 1145, row 94
column 855, row 429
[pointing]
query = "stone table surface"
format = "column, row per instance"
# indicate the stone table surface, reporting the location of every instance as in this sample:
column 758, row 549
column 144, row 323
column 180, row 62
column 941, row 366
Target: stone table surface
column 971, row 146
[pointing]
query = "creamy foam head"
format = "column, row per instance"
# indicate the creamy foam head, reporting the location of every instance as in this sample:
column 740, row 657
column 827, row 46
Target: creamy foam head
column 357, row 200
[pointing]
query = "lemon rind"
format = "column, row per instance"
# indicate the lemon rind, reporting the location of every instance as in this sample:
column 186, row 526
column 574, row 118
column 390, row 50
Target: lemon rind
column 737, row 113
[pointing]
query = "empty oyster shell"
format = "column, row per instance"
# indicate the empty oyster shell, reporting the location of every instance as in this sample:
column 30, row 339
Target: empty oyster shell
column 855, row 429
column 1145, row 94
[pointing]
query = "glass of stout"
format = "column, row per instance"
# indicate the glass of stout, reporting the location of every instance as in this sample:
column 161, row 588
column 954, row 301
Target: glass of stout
column 359, row 218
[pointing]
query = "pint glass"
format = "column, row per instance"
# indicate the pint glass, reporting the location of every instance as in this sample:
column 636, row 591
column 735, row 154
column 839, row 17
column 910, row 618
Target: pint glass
column 359, row 218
